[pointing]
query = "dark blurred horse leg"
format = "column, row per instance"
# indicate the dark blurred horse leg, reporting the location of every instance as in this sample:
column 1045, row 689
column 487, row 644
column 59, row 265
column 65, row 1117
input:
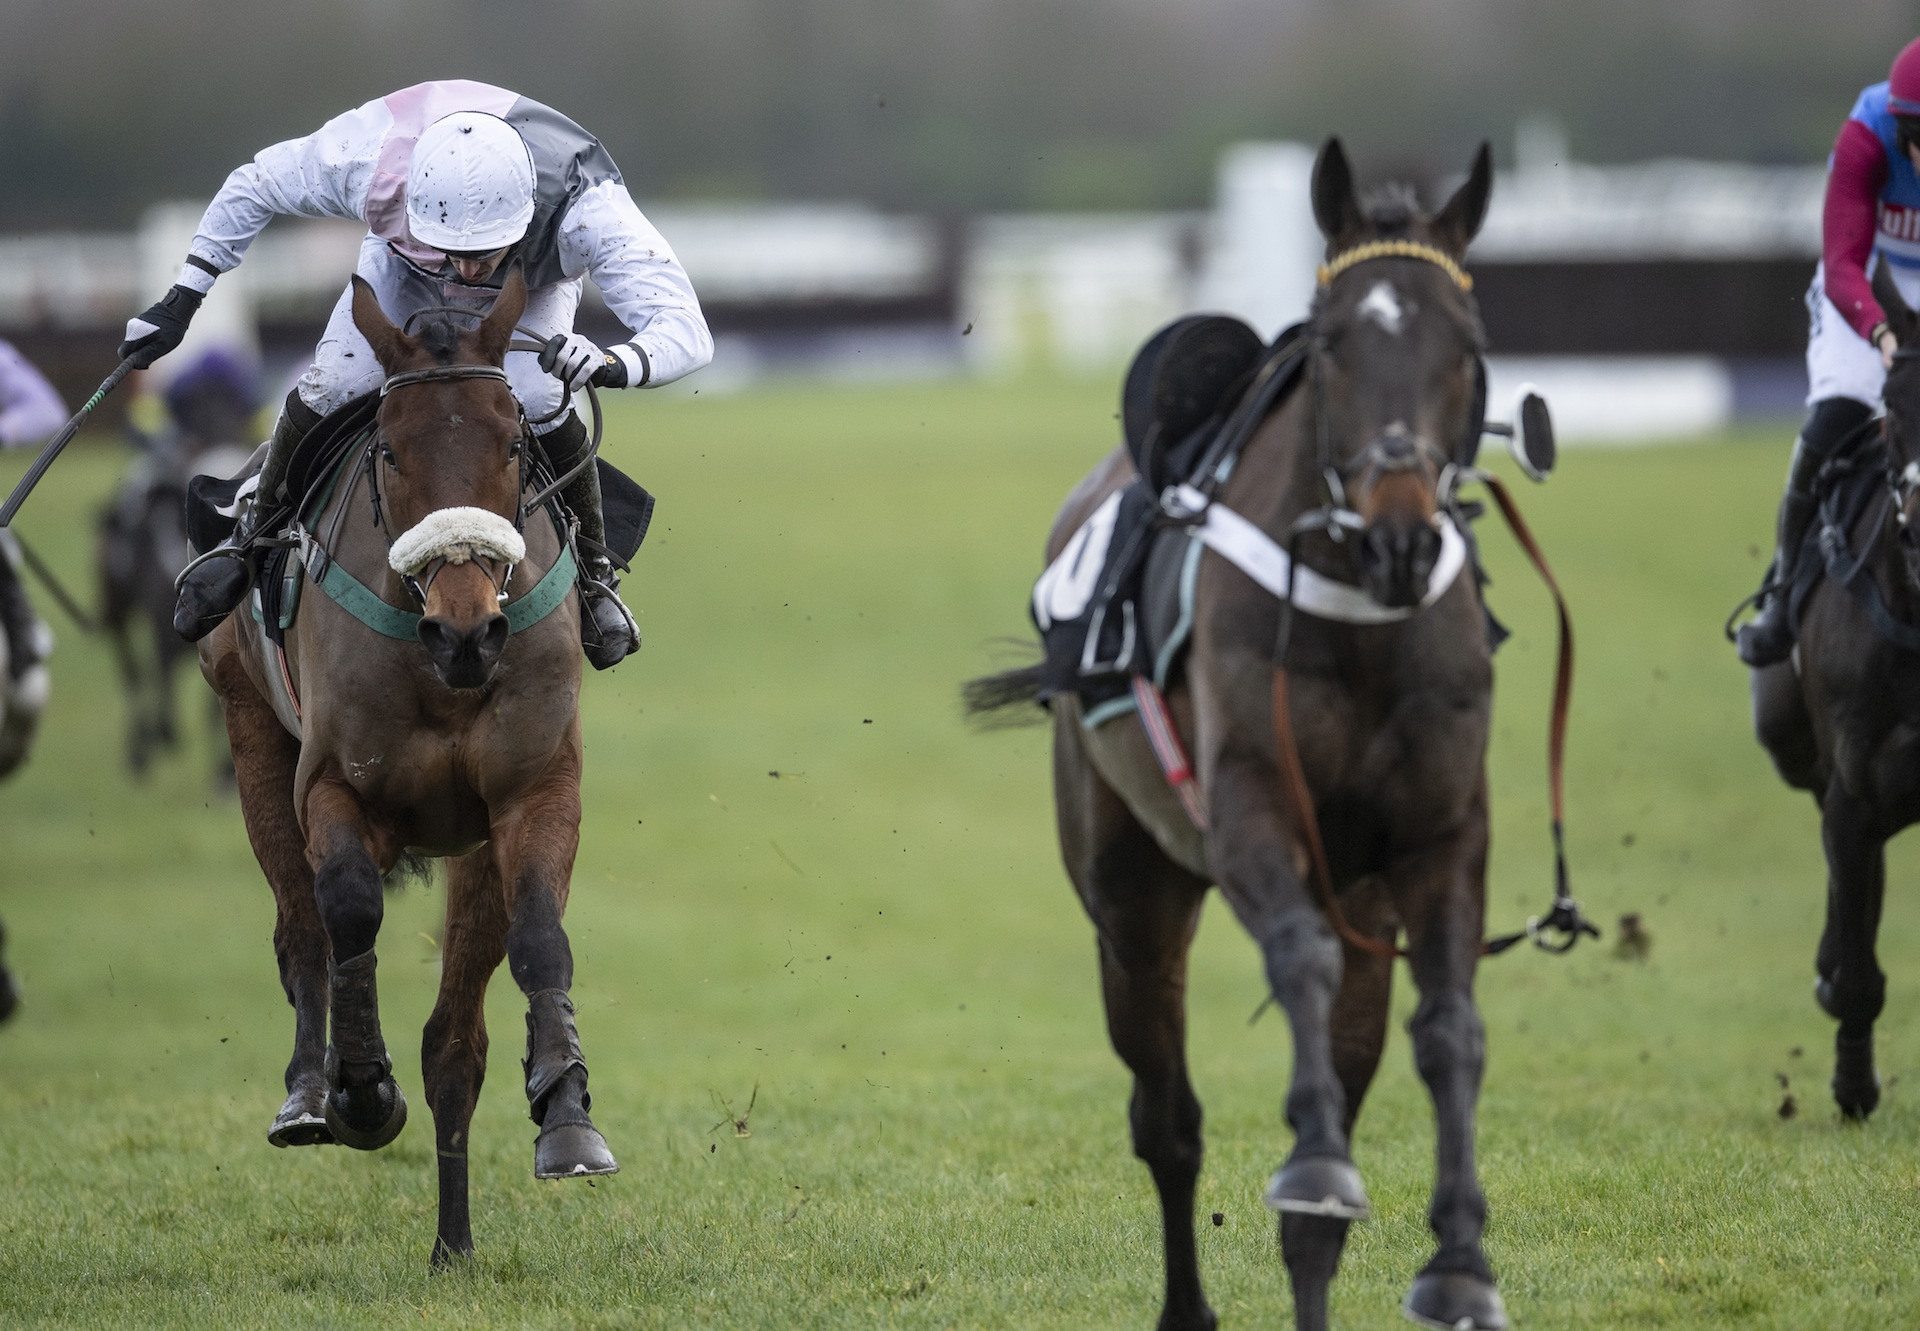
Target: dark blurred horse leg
column 9, row 991
column 536, row 841
column 1852, row 988
column 1441, row 895
column 1311, row 1244
column 365, row 1109
column 264, row 775
column 1144, row 909
column 453, row 1049
column 133, row 684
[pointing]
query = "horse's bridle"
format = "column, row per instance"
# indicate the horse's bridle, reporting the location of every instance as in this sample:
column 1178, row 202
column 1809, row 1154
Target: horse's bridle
column 379, row 452
column 1564, row 925
column 376, row 450
column 1394, row 452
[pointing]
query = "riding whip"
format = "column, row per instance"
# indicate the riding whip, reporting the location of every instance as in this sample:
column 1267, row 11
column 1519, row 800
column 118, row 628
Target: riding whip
column 60, row 441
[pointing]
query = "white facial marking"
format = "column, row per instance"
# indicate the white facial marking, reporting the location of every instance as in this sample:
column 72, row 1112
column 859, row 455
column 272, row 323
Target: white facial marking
column 1382, row 305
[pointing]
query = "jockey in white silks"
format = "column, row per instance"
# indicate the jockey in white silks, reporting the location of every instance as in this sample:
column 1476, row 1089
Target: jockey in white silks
column 455, row 180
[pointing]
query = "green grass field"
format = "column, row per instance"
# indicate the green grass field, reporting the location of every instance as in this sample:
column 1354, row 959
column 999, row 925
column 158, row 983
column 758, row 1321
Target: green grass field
column 801, row 874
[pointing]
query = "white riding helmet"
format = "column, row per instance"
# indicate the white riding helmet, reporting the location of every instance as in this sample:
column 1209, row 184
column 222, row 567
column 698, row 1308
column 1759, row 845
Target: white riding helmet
column 470, row 188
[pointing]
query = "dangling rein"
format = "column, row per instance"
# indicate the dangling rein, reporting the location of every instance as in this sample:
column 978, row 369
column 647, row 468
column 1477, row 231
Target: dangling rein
column 1565, row 916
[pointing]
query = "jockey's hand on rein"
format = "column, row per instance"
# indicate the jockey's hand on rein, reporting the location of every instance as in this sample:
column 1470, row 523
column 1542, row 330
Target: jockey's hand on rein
column 156, row 332
column 574, row 360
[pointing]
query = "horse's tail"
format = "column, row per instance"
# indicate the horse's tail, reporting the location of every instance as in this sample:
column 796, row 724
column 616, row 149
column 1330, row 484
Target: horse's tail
column 409, row 868
column 990, row 697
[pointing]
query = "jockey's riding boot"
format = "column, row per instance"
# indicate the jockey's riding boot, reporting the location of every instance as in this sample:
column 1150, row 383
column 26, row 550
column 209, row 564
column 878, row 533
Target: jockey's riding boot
column 1768, row 638
column 607, row 630
column 28, row 639
column 210, row 590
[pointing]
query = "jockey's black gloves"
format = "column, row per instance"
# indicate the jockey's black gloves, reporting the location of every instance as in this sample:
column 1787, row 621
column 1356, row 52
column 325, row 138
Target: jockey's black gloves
column 612, row 373
column 159, row 330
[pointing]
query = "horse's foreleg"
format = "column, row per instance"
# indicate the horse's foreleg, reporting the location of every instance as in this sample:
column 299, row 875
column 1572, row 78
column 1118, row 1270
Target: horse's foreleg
column 1852, row 987
column 265, row 758
column 365, row 1109
column 453, row 1050
column 1441, row 896
column 1312, row 1244
column 1260, row 868
column 536, row 840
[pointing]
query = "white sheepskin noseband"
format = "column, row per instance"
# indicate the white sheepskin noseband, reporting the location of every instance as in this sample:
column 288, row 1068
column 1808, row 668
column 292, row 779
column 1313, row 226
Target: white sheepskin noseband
column 456, row 535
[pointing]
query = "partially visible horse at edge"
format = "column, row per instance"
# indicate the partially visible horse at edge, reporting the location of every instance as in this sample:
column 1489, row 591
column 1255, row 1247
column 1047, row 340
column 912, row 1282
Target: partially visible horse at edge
column 142, row 545
column 1390, row 724
column 1841, row 718
column 462, row 742
column 24, row 643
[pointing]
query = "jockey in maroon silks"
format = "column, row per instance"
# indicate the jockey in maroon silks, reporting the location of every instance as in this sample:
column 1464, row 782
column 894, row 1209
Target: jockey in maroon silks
column 1872, row 213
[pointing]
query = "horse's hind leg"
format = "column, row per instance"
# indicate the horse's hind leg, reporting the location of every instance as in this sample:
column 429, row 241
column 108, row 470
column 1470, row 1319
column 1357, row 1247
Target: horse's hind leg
column 535, row 841
column 365, row 1109
column 1144, row 910
column 1311, row 1244
column 453, row 1050
column 1441, row 896
column 265, row 758
column 1852, row 987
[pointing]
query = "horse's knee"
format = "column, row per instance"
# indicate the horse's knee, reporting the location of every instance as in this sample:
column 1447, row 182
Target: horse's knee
column 347, row 892
column 1166, row 1128
column 1448, row 1036
column 1302, row 957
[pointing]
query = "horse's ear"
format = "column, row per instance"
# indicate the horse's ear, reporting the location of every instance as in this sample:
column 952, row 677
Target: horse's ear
column 389, row 344
column 1900, row 316
column 1459, row 219
column 496, row 330
column 1336, row 204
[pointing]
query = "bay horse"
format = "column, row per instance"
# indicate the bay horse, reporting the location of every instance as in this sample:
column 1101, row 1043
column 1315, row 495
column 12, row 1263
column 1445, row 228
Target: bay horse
column 1389, row 722
column 461, row 741
column 1841, row 718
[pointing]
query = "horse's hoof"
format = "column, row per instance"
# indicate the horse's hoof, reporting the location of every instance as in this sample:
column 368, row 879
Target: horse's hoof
column 388, row 1113
column 447, row 1257
column 302, row 1120
column 1193, row 1319
column 1319, row 1185
column 1456, row 1301
column 1823, row 995
column 1857, row 1100
column 572, row 1150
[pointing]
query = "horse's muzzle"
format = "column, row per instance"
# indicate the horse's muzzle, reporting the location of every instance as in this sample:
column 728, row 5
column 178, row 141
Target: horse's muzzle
column 1397, row 558
column 464, row 658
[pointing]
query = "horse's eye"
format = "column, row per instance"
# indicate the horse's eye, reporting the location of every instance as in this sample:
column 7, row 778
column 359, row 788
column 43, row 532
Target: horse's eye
column 386, row 455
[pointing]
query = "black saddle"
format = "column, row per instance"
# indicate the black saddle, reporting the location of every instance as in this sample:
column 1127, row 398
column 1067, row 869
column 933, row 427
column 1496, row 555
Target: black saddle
column 1178, row 389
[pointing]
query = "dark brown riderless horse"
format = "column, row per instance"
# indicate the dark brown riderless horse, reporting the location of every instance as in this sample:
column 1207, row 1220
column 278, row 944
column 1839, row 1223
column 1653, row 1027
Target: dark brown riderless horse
column 1841, row 719
column 463, row 744
column 1389, row 723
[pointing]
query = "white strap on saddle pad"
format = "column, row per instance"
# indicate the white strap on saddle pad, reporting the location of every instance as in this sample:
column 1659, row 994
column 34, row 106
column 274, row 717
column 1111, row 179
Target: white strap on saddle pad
column 1261, row 558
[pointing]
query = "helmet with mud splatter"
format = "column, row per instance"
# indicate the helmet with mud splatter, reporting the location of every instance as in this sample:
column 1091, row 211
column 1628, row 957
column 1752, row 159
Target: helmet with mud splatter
column 470, row 188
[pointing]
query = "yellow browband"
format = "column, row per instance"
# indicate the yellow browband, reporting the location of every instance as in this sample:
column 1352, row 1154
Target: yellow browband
column 1396, row 249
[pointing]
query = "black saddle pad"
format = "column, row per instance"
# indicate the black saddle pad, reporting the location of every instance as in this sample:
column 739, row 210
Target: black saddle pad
column 627, row 507
column 1178, row 389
